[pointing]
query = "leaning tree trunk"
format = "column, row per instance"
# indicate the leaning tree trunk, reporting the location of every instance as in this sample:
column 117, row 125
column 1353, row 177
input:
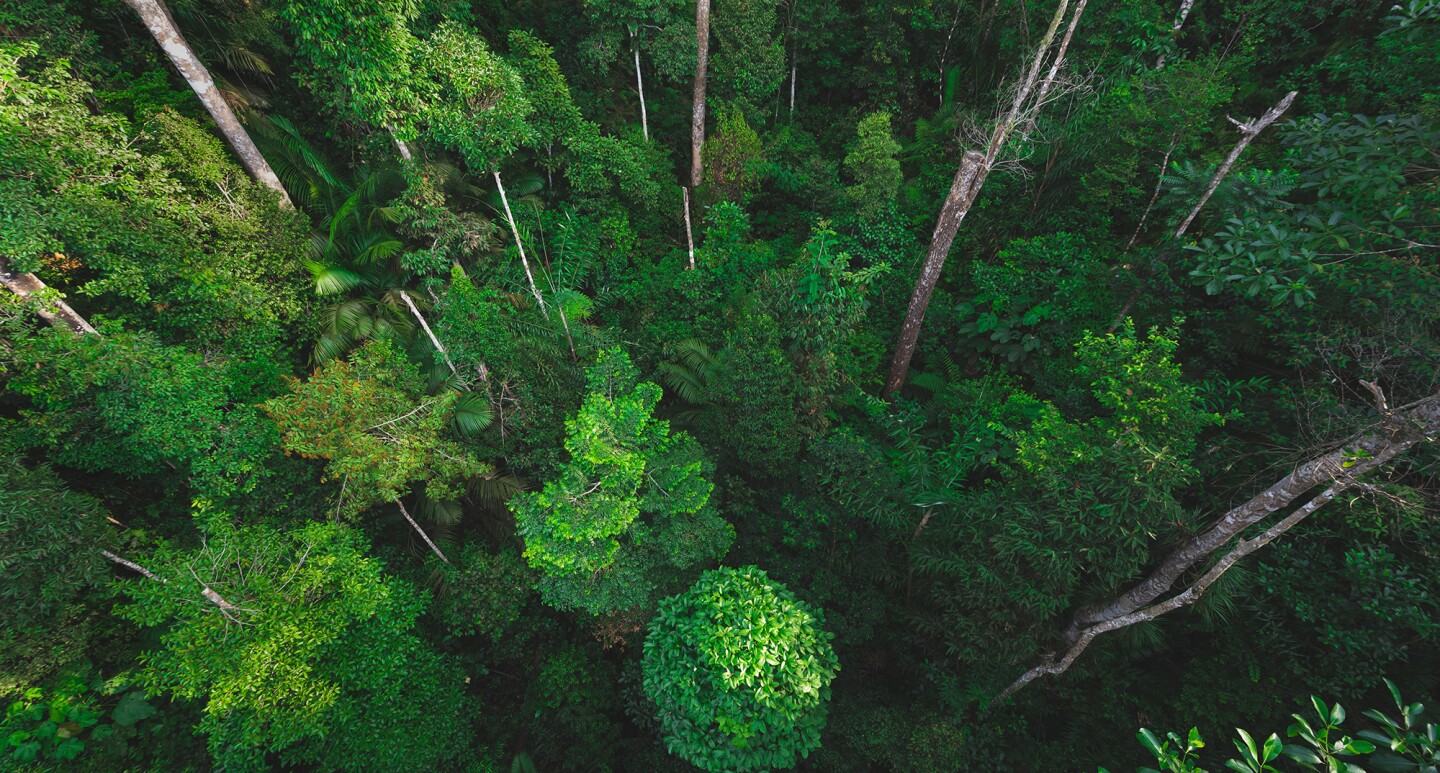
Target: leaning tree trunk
column 1248, row 132
column 640, row 83
column 520, row 245
column 969, row 178
column 1339, row 470
column 59, row 314
column 697, row 108
column 158, row 20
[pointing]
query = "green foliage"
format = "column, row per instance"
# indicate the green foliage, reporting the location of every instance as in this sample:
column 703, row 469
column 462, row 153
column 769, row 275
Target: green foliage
column 728, row 156
column 748, row 57
column 297, row 642
column 740, row 671
column 473, row 101
column 358, row 58
column 584, row 529
column 873, row 166
column 113, row 402
column 378, row 430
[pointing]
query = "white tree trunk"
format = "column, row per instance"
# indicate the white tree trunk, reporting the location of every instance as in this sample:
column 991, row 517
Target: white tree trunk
column 1248, row 132
column 428, row 332
column 794, row 73
column 969, row 178
column 421, row 531
column 689, row 235
column 1185, row 6
column 158, row 20
column 520, row 245
column 640, row 84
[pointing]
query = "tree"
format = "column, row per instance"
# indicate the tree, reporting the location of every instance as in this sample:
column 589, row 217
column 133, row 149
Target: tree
column 380, row 433
column 309, row 652
column 740, row 671
column 872, row 164
column 359, row 59
column 697, row 105
column 628, row 511
column 1398, row 431
column 475, row 103
column 157, row 19
column 969, row 178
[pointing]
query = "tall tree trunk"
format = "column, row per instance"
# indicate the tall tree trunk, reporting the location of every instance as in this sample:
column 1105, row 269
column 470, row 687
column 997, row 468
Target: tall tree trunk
column 697, row 108
column 162, row 26
column 640, row 83
column 1248, row 132
column 519, row 244
column 969, row 178
column 794, row 73
column 402, row 147
column 689, row 234
column 59, row 314
column 1339, row 470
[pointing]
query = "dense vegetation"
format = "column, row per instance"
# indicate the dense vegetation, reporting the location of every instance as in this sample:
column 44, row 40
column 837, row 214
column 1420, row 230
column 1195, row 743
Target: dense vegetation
column 917, row 385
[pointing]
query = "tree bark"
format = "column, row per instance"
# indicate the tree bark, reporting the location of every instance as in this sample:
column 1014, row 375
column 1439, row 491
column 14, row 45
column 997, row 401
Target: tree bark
column 162, row 26
column 421, row 531
column 689, row 235
column 794, row 73
column 697, row 108
column 520, row 245
column 1248, row 132
column 640, row 84
column 26, row 285
column 1337, row 470
column 969, row 178
column 428, row 332
column 132, row 566
column 1185, row 6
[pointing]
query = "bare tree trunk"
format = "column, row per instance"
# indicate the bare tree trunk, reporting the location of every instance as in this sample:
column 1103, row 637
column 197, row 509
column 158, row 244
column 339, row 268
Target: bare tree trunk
column 1154, row 195
column 1185, row 6
column 428, row 332
column 205, row 590
column 640, row 83
column 1248, row 132
column 697, row 108
column 689, row 235
column 132, row 566
column 515, row 230
column 1338, row 470
column 158, row 20
column 60, row 314
column 421, row 531
column 794, row 73
column 969, row 178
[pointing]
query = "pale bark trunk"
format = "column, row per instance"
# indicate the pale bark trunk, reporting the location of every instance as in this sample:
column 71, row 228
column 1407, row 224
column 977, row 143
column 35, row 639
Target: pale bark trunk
column 1248, row 132
column 1337, row 470
column 428, row 332
column 157, row 19
column 60, row 314
column 794, row 73
column 421, row 531
column 640, row 85
column 132, row 566
column 1154, row 195
column 400, row 145
column 689, row 235
column 969, row 178
column 697, row 109
column 515, row 230
column 1185, row 6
